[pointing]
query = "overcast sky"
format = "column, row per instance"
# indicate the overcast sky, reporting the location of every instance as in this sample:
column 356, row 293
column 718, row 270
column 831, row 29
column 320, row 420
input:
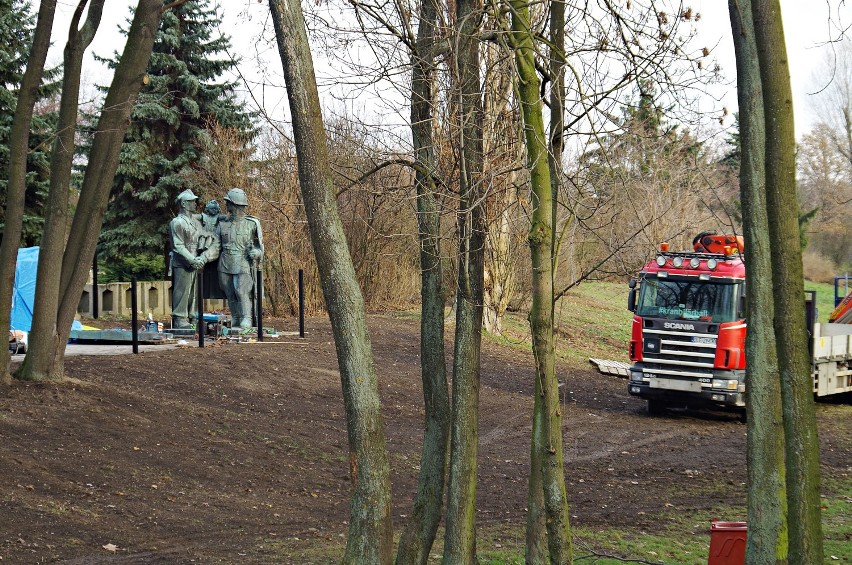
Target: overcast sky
column 808, row 25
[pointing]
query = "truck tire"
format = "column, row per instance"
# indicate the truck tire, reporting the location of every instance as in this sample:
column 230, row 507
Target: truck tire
column 656, row 407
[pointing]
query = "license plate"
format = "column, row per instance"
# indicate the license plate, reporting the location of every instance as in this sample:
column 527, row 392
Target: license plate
column 675, row 384
column 707, row 340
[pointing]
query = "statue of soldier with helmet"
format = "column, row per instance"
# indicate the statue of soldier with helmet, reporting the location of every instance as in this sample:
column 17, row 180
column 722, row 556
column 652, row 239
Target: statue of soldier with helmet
column 240, row 243
column 187, row 258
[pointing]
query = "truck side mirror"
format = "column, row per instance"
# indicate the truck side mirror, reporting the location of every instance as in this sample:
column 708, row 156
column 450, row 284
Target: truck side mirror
column 631, row 300
column 741, row 307
column 631, row 283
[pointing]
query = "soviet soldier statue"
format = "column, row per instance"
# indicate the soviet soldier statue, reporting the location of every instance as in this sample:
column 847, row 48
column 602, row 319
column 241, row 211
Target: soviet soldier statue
column 184, row 233
column 241, row 250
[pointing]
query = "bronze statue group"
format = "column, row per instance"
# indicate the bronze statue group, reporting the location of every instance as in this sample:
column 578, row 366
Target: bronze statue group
column 233, row 240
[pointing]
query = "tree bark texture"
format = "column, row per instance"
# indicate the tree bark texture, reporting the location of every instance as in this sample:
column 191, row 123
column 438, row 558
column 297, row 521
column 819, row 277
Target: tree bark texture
column 19, row 142
column 802, row 446
column 549, row 447
column 370, row 537
column 501, row 150
column 94, row 194
column 767, row 503
column 45, row 335
column 460, row 538
column 419, row 533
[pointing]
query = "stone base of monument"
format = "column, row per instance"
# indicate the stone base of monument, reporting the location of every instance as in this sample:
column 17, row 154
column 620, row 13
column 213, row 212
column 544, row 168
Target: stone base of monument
column 182, row 332
column 119, row 336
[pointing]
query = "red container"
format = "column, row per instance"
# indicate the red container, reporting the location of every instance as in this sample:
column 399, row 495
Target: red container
column 727, row 543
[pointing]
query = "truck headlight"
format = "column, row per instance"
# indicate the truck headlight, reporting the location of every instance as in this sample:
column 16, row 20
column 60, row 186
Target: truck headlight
column 726, row 384
column 635, row 376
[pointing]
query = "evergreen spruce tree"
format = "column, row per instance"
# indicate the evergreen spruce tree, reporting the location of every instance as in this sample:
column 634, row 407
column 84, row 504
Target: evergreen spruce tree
column 16, row 33
column 184, row 96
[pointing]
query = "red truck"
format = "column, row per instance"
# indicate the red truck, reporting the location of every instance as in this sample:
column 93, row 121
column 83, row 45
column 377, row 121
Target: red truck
column 688, row 339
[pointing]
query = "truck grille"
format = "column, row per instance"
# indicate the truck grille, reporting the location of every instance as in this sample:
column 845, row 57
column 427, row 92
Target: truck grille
column 678, row 353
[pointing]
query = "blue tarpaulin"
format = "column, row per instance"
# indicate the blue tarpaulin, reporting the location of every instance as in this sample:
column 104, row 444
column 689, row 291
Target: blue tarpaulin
column 23, row 293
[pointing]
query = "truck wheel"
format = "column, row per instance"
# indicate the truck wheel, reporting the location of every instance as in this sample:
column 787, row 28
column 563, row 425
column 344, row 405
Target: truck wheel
column 656, row 407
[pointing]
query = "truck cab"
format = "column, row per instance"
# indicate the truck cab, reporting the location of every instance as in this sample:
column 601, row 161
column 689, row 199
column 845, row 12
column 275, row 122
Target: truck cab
column 688, row 339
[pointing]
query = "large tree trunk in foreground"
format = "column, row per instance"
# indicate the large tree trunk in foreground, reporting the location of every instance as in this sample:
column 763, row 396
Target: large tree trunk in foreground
column 460, row 538
column 45, row 333
column 767, row 502
column 802, row 446
column 547, row 452
column 370, row 530
column 48, row 354
column 19, row 143
column 419, row 534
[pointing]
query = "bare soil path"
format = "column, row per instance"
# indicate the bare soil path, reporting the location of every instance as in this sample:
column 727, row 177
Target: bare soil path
column 237, row 453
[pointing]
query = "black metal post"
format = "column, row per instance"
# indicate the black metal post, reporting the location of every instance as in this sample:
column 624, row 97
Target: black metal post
column 134, row 318
column 301, row 303
column 96, row 295
column 200, row 324
column 259, row 305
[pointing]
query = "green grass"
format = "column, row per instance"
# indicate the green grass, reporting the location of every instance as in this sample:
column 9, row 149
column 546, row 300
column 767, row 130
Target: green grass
column 593, row 321
column 825, row 298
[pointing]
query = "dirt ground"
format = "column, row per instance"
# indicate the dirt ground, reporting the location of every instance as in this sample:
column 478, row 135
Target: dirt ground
column 237, row 453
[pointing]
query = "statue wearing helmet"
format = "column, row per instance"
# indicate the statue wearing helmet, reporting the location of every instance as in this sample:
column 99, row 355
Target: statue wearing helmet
column 241, row 250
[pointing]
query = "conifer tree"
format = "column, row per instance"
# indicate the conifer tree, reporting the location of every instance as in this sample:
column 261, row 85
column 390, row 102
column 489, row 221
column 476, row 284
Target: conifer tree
column 185, row 95
column 16, row 34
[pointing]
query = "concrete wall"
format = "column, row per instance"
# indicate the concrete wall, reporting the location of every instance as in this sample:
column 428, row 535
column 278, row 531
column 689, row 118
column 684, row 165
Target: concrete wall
column 152, row 296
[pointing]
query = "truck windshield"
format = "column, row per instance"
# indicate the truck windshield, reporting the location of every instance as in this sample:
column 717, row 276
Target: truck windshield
column 688, row 300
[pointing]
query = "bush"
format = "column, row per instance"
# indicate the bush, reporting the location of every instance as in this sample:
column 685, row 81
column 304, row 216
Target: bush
column 818, row 268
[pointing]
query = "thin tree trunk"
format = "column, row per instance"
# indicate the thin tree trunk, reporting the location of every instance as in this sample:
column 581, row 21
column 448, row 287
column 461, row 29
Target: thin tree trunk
column 103, row 162
column 802, row 445
column 419, row 534
column 370, row 529
column 549, row 449
column 19, row 143
column 460, row 538
column 767, row 502
column 498, row 139
column 45, row 334
column 536, row 535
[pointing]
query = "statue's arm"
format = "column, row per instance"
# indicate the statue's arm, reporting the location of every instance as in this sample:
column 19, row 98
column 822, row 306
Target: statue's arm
column 257, row 244
column 179, row 236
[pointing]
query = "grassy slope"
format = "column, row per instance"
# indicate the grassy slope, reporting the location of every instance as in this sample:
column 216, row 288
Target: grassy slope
column 594, row 322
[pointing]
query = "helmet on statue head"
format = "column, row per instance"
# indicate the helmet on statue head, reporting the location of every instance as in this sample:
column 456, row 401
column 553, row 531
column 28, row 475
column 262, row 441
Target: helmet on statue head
column 237, row 196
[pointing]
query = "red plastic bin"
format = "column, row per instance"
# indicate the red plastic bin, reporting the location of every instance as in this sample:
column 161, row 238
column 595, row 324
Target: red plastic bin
column 727, row 543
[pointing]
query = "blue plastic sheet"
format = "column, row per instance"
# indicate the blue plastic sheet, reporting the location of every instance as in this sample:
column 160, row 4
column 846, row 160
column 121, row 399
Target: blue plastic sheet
column 23, row 293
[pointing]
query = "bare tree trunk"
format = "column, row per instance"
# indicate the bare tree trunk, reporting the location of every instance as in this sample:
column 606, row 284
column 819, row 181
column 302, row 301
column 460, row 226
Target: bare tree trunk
column 103, row 162
column 501, row 259
column 419, row 534
column 767, row 502
column 536, row 535
column 45, row 334
column 370, row 530
column 802, row 445
column 460, row 539
column 19, row 143
column 500, row 152
column 548, row 451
